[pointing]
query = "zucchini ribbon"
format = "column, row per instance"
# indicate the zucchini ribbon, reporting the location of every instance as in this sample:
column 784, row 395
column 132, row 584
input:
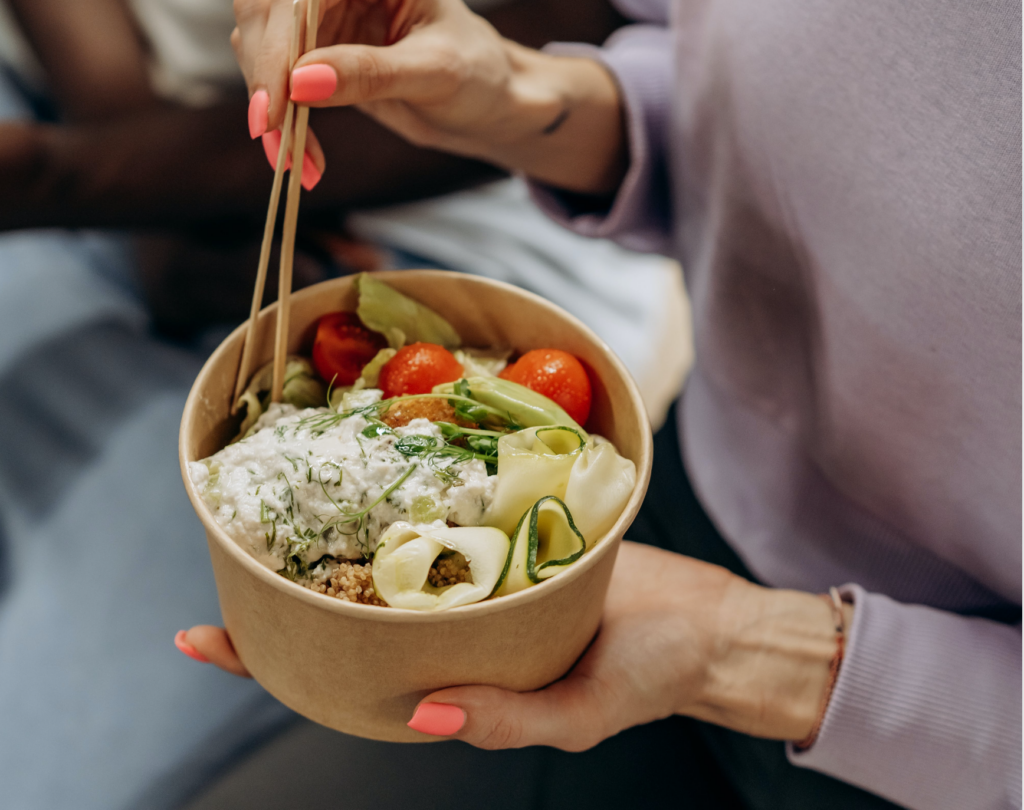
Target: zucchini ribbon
column 406, row 552
column 544, row 542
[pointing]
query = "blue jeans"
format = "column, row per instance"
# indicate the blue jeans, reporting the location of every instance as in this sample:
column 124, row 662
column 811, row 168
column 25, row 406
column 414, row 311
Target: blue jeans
column 101, row 556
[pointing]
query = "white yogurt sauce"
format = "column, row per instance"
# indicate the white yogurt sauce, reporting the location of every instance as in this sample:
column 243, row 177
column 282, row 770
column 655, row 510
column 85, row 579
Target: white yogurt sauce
column 286, row 492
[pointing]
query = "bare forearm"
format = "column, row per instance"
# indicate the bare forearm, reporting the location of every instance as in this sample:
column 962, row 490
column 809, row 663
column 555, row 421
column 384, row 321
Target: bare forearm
column 173, row 167
column 92, row 54
column 568, row 125
column 770, row 669
column 133, row 162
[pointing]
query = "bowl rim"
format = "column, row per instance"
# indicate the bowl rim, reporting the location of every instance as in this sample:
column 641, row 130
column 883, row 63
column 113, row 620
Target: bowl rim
column 391, row 614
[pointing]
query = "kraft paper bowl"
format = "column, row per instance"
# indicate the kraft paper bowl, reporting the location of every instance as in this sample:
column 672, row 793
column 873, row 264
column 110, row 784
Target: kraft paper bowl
column 362, row 669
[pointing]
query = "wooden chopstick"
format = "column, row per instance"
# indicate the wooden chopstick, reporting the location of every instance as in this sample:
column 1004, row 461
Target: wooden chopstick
column 291, row 213
column 245, row 367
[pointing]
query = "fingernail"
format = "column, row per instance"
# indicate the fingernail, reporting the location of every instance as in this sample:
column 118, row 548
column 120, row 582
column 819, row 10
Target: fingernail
column 313, row 83
column 188, row 649
column 272, row 145
column 259, row 110
column 310, row 173
column 437, row 719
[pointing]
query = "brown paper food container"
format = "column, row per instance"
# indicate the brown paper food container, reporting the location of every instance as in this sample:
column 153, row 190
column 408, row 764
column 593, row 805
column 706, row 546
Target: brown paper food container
column 362, row 669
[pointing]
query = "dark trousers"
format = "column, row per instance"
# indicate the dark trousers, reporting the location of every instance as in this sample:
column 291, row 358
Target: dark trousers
column 674, row 763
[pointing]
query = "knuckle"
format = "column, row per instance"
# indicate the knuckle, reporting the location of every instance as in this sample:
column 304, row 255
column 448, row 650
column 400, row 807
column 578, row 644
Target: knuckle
column 586, row 728
column 449, row 67
column 418, row 135
column 507, row 732
column 415, row 138
column 582, row 740
column 373, row 74
column 245, row 9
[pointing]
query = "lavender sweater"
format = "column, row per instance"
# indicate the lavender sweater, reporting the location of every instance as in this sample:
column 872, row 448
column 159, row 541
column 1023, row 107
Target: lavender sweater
column 841, row 180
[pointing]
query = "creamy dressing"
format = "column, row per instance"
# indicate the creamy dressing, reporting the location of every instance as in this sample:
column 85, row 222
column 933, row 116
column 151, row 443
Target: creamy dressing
column 307, row 486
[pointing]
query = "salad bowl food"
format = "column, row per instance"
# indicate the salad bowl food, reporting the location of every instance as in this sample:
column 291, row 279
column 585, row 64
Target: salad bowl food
column 359, row 661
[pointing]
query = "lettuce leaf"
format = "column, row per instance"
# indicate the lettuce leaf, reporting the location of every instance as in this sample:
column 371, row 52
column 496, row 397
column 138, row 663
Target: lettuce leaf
column 400, row 319
column 302, row 388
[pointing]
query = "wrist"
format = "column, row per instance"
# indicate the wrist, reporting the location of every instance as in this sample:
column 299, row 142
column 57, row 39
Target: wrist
column 770, row 670
column 564, row 124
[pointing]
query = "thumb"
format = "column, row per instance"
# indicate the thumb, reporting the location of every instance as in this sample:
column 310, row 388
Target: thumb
column 566, row 715
column 342, row 75
column 212, row 645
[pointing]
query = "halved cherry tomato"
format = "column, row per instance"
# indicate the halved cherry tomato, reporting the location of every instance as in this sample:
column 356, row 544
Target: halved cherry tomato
column 343, row 346
column 417, row 368
column 557, row 375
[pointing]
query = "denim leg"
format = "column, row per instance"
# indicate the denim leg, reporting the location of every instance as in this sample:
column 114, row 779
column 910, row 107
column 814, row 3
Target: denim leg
column 102, row 556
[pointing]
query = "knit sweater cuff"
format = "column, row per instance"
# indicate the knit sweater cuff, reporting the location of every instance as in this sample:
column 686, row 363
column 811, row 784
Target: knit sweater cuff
column 926, row 711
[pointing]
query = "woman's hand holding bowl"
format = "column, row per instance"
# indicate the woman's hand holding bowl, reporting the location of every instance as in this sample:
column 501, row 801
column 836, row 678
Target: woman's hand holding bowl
column 678, row 636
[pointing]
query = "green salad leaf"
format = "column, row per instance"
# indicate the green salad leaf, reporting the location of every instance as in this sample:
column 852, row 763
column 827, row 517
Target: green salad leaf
column 482, row 362
column 400, row 319
column 302, row 388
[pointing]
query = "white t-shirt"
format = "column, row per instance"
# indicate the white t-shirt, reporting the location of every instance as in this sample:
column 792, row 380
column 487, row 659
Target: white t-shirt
column 190, row 48
column 192, row 59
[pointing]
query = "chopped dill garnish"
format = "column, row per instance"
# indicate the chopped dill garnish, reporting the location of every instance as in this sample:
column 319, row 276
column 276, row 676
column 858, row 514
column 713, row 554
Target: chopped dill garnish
column 376, row 429
column 460, row 400
column 358, row 519
column 440, row 456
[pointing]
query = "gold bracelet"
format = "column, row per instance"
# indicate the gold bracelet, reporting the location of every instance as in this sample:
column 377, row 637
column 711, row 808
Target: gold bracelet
column 836, row 603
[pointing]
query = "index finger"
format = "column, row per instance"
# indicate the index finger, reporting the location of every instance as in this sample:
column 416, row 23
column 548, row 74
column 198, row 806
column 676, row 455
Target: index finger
column 278, row 49
column 251, row 19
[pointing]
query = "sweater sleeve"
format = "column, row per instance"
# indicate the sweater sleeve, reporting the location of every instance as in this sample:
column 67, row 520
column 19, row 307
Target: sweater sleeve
column 639, row 57
column 926, row 710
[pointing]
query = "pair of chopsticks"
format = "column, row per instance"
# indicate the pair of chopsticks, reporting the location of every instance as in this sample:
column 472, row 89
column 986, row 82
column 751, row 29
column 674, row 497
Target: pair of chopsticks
column 294, row 141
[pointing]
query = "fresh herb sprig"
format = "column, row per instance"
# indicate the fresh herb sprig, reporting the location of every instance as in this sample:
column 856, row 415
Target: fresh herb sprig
column 439, row 455
column 464, row 405
column 357, row 520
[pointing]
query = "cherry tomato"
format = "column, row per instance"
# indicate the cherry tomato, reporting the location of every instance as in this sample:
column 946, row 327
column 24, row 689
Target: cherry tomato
column 557, row 375
column 417, row 368
column 343, row 346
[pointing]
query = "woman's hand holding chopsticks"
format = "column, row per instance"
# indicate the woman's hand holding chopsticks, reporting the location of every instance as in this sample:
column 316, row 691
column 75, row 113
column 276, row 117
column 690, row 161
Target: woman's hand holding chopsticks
column 441, row 77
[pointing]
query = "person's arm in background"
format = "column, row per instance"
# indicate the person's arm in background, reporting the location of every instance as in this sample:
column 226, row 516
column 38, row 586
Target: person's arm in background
column 168, row 167
column 125, row 159
column 94, row 59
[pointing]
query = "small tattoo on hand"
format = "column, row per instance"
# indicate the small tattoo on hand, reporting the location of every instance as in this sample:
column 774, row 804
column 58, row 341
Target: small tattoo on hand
column 554, row 126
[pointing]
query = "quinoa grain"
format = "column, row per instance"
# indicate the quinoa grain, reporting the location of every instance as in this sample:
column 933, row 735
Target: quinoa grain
column 351, row 582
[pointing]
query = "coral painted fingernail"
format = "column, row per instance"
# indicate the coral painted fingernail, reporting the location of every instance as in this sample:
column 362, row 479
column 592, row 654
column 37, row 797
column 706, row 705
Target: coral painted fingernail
column 437, row 719
column 313, row 83
column 310, row 173
column 188, row 649
column 259, row 110
column 272, row 145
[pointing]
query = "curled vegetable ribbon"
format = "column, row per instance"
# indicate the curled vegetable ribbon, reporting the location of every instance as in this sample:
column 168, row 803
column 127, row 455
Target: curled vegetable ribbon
column 532, row 463
column 544, row 542
column 406, row 552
